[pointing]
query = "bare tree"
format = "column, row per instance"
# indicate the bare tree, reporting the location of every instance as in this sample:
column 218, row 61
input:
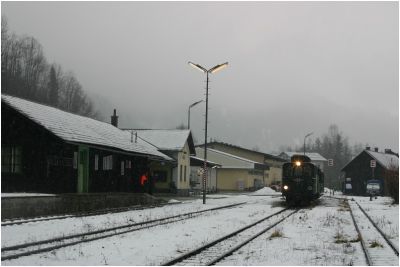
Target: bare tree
column 33, row 65
column 52, row 87
column 26, row 73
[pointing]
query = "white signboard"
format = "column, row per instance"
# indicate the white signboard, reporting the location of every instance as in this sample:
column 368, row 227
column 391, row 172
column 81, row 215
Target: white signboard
column 373, row 163
column 330, row 162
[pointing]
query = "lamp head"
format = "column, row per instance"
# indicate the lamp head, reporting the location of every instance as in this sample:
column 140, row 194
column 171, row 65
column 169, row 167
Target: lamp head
column 218, row 67
column 197, row 66
column 195, row 103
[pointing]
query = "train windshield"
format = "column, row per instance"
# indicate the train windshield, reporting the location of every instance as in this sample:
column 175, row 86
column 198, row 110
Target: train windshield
column 291, row 170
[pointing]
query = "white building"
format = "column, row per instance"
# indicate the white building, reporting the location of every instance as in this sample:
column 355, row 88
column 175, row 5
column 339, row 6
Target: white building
column 178, row 144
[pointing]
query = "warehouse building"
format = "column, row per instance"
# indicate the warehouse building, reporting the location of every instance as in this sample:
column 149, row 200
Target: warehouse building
column 235, row 173
column 271, row 176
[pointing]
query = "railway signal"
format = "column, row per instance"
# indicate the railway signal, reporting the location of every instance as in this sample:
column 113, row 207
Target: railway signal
column 330, row 162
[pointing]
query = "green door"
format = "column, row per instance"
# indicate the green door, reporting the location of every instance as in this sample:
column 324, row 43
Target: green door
column 83, row 169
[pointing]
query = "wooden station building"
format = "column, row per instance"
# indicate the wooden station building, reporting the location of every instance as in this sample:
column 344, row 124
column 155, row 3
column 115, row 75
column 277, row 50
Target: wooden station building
column 45, row 149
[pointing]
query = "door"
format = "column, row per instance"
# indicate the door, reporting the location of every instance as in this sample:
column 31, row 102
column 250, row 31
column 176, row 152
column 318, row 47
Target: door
column 83, row 169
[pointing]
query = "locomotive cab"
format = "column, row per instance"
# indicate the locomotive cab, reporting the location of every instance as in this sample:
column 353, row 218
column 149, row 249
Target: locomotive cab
column 302, row 180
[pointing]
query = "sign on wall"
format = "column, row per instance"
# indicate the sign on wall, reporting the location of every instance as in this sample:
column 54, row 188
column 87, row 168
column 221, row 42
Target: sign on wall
column 373, row 163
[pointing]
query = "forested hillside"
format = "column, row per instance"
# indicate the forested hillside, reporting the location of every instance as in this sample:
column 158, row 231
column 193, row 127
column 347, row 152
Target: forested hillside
column 26, row 73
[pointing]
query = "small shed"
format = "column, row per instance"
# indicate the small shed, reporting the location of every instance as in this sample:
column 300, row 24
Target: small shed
column 196, row 174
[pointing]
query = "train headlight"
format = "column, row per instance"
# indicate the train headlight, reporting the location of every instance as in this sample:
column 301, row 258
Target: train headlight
column 285, row 187
column 298, row 163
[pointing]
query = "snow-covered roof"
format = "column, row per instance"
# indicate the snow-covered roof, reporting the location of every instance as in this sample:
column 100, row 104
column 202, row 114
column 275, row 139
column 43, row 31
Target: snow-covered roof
column 385, row 159
column 173, row 140
column 202, row 160
column 227, row 160
column 312, row 155
column 79, row 129
column 266, row 155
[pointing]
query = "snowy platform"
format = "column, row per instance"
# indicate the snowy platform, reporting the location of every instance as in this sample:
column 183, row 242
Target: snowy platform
column 26, row 205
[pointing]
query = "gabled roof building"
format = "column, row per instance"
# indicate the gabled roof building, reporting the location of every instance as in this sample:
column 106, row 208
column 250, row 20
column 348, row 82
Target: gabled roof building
column 234, row 173
column 177, row 144
column 45, row 149
column 272, row 175
column 358, row 171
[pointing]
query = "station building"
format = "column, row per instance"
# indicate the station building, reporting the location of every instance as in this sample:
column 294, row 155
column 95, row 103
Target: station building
column 47, row 150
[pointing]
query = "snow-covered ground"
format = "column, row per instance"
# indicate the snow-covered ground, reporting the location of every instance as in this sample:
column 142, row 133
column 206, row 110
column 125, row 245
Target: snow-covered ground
column 308, row 238
column 384, row 214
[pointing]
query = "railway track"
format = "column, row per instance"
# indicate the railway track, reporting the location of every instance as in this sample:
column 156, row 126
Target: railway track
column 219, row 249
column 81, row 214
column 377, row 247
column 26, row 249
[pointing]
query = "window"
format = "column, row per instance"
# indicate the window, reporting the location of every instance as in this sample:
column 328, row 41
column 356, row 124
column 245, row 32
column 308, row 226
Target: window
column 11, row 159
column 160, row 176
column 122, row 167
column 184, row 175
column 107, row 163
column 75, row 160
column 96, row 162
column 128, row 164
column 180, row 173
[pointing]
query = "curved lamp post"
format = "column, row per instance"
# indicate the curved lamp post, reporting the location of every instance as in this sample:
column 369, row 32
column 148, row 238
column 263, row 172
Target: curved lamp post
column 204, row 70
column 192, row 105
column 305, row 142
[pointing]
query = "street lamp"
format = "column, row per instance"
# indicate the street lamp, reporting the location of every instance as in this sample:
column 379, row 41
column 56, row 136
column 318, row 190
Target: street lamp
column 305, row 142
column 204, row 70
column 192, row 105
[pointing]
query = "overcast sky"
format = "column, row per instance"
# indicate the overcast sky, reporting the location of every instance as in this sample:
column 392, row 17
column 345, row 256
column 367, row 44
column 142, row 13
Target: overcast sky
column 294, row 67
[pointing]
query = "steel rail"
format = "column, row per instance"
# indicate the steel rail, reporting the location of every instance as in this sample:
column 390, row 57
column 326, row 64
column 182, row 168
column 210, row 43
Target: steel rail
column 83, row 236
column 230, row 252
column 81, row 214
column 219, row 240
column 363, row 245
column 380, row 231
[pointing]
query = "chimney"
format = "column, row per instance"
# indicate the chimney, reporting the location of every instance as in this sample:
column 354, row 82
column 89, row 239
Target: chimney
column 368, row 148
column 376, row 149
column 114, row 119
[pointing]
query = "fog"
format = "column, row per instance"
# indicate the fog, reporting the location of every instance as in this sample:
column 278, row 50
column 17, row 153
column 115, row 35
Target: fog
column 294, row 67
